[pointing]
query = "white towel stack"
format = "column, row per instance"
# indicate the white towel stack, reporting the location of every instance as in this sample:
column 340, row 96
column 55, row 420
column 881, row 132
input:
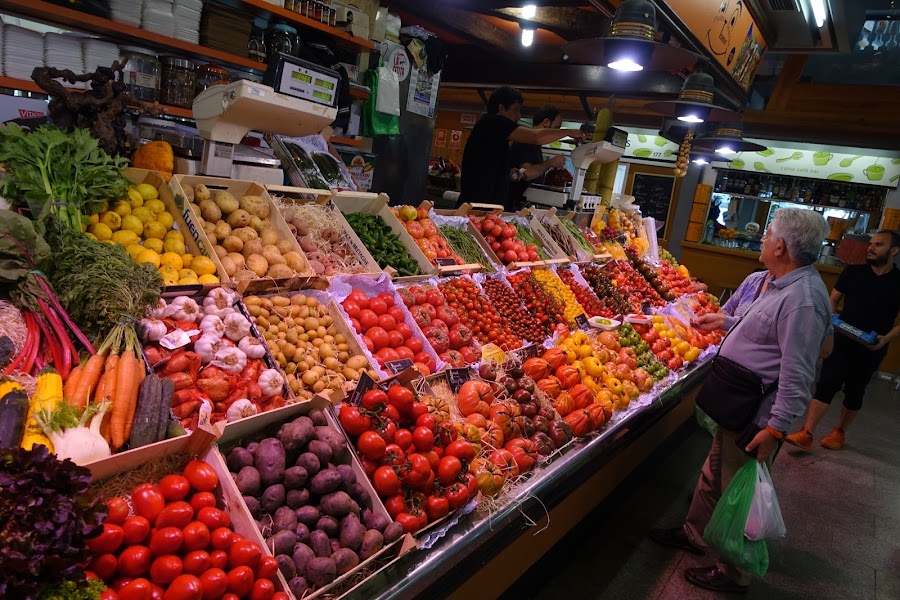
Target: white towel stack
column 187, row 20
column 23, row 50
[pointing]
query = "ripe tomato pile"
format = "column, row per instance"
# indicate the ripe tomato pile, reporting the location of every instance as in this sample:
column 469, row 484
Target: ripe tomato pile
column 175, row 544
column 411, row 455
column 548, row 311
column 451, row 339
column 586, row 298
column 477, row 312
column 426, row 234
column 381, row 324
column 632, row 284
column 502, row 237
column 523, row 324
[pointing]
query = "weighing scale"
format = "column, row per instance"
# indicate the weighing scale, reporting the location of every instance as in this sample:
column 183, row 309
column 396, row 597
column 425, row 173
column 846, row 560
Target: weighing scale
column 300, row 99
column 582, row 157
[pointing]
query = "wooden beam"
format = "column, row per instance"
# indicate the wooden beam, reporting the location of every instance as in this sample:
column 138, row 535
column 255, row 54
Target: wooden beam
column 569, row 22
column 464, row 23
column 790, row 75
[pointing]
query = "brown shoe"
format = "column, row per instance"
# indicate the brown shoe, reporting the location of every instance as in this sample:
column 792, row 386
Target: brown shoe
column 713, row 578
column 802, row 439
column 835, row 440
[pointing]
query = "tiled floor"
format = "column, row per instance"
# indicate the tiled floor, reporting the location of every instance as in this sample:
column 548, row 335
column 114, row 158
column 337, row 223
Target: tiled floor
column 841, row 509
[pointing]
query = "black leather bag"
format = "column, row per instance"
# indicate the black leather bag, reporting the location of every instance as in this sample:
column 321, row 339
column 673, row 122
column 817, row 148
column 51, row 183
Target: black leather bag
column 732, row 394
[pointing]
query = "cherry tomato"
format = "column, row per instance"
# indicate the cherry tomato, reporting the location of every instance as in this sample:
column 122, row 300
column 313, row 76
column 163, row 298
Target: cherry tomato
column 104, row 565
column 108, row 541
column 116, row 511
column 137, row 530
column 244, row 553
column 423, row 439
column 371, row 445
column 214, row 583
column 167, row 540
column 202, row 500
column 134, row 561
column 196, row 562
column 185, row 587
column 176, row 514
column 156, row 592
column 213, row 518
column 373, row 399
column 218, row 559
column 263, row 589
column 240, row 580
column 201, row 476
column 109, row 594
column 121, row 582
column 196, row 536
column 267, row 567
column 448, row 469
column 221, row 539
column 137, row 589
column 395, row 505
column 404, row 439
column 174, row 487
column 386, row 482
column 148, row 501
column 165, row 569
column 436, row 507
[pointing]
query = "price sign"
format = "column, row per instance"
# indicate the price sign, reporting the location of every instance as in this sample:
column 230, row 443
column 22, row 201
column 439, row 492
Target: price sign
column 445, row 262
column 398, row 366
column 492, row 352
column 457, row 377
column 364, row 384
column 582, row 322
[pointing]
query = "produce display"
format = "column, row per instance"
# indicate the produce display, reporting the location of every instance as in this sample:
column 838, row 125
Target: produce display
column 630, row 338
column 548, row 311
column 244, row 236
column 466, row 247
column 631, row 284
column 522, row 323
column 510, row 241
column 606, row 291
column 562, row 293
column 317, row 518
column 383, row 244
column 567, row 236
column 478, row 317
column 426, row 234
column 442, row 324
column 670, row 282
column 320, row 233
column 593, row 306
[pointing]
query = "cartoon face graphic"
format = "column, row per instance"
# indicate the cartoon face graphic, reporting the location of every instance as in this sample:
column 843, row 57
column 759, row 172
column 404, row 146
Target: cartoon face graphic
column 719, row 34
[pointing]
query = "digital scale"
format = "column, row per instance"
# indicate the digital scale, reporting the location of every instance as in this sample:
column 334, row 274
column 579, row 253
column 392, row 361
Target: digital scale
column 302, row 79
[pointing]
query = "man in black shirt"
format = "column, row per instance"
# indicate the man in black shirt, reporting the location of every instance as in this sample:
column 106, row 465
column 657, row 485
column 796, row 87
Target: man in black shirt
column 485, row 164
column 871, row 295
column 530, row 157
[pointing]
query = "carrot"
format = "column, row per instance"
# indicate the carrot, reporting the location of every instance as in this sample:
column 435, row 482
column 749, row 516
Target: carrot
column 126, row 382
column 106, row 391
column 90, row 376
column 72, row 382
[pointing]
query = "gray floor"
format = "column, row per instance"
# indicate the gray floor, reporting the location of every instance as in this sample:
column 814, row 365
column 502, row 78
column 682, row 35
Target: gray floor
column 841, row 509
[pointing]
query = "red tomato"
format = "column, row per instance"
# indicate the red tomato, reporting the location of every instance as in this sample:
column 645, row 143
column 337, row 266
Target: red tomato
column 138, row 589
column 167, row 540
column 394, row 505
column 263, row 589
column 148, row 501
column 351, row 308
column 176, row 514
column 395, row 339
column 360, row 298
column 378, row 306
column 353, row 422
column 202, row 476
column 387, row 322
column 280, row 596
column 117, row 511
column 404, row 329
column 196, row 562
column 213, row 518
column 137, row 530
column 368, row 466
column 426, row 420
column 134, row 561
column 387, row 431
column 108, row 541
column 449, row 469
column 434, row 297
column 380, row 338
column 215, row 583
column 221, row 539
column 404, row 439
column 462, row 450
column 412, row 522
column 371, row 445
column 434, row 460
column 174, row 487
column 196, row 536
column 398, row 314
column 104, row 565
column 400, row 397
column 419, row 470
column 457, row 495
column 390, row 413
column 202, row 499
column 436, row 507
column 415, row 344
column 367, row 319
column 423, row 439
column 240, row 581
column 267, row 568
column 109, row 594
column 185, row 587
column 386, row 482
column 403, row 351
column 165, row 569
column 244, row 553
column 423, row 357
column 386, row 355
column 373, row 398
column 387, row 298
column 218, row 559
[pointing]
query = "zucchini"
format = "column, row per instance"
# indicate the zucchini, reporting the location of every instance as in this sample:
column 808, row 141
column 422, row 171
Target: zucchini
column 146, row 415
column 167, row 390
column 13, row 412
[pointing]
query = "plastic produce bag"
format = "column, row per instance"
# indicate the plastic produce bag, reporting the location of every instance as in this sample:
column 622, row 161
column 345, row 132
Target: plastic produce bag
column 704, row 421
column 376, row 123
column 725, row 530
column 764, row 521
column 388, row 98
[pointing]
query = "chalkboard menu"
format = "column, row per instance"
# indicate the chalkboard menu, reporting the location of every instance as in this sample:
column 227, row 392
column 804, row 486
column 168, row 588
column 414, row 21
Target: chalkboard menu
column 654, row 195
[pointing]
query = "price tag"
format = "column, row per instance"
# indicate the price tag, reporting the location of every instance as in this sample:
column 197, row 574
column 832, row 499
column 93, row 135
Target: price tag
column 364, row 384
column 457, row 377
column 493, row 352
column 582, row 322
column 398, row 366
column 445, row 262
column 177, row 339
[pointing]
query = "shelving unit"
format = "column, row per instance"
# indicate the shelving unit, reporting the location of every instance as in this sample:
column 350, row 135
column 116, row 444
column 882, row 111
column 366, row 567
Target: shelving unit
column 763, row 199
column 344, row 39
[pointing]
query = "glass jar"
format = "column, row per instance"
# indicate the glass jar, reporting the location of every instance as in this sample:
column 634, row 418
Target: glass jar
column 318, row 9
column 310, row 11
column 178, row 80
column 141, row 73
column 332, row 16
column 281, row 38
column 210, row 75
column 256, row 48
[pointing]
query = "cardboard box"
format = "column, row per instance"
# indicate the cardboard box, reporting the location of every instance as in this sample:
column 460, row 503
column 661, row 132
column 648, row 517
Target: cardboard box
column 361, row 167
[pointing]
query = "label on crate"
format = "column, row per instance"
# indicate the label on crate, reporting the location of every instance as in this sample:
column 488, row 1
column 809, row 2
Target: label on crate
column 523, row 354
column 445, row 262
column 364, row 384
column 492, row 352
column 457, row 377
column 398, row 366
column 582, row 322
column 541, row 234
column 177, row 339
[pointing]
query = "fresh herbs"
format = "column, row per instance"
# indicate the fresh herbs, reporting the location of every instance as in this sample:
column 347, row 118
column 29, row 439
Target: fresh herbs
column 51, row 172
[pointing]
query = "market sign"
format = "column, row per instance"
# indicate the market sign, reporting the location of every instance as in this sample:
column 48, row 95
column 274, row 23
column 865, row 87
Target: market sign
column 651, row 147
column 727, row 30
column 847, row 168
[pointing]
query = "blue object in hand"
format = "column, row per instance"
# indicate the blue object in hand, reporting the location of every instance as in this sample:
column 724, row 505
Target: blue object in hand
column 868, row 338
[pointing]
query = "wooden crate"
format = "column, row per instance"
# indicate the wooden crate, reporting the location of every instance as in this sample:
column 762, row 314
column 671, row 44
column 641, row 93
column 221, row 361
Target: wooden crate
column 451, row 269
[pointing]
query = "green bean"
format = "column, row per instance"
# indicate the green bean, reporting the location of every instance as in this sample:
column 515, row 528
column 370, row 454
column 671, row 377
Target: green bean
column 578, row 235
column 466, row 246
column 524, row 234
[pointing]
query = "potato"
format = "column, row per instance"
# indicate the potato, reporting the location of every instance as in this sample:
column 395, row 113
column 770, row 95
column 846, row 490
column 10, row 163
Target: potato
column 257, row 224
column 321, row 450
column 282, row 542
column 239, row 458
column 253, row 506
column 372, row 542
column 352, row 531
column 233, row 243
column 296, row 434
column 220, row 251
column 248, row 481
column 318, row 417
column 273, row 498
column 298, row 587
column 345, row 560
column 245, row 234
column 302, row 555
column 271, row 254
column 286, row 566
column 310, row 462
column 319, row 542
column 269, row 459
column 348, row 476
column 393, row 532
column 284, row 518
column 308, row 515
column 222, row 231
column 302, row 532
column 357, row 362
column 256, row 206
column 329, row 525
column 374, row 520
column 293, row 260
column 226, row 202
column 254, row 246
column 284, row 246
column 239, row 218
column 209, row 229
column 336, row 504
column 321, row 571
column 237, row 259
column 325, row 481
column 269, row 237
column 228, row 265
column 359, row 493
column 334, row 438
column 209, row 211
column 257, row 264
column 295, row 478
column 297, row 498
column 280, row 272
column 201, row 193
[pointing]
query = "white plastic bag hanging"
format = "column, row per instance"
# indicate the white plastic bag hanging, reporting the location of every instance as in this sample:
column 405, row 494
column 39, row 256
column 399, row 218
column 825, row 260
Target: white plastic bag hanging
column 388, row 99
column 764, row 522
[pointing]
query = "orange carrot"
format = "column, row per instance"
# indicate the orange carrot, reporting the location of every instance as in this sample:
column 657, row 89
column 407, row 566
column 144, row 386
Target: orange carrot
column 90, row 376
column 72, row 382
column 106, row 392
column 126, row 378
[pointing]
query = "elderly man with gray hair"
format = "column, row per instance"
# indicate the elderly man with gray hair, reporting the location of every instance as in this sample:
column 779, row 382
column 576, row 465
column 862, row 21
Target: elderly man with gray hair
column 778, row 342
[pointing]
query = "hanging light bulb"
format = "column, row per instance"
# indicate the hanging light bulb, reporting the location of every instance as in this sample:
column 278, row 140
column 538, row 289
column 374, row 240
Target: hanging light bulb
column 725, row 151
column 700, row 161
column 528, row 11
column 691, row 118
column 527, row 37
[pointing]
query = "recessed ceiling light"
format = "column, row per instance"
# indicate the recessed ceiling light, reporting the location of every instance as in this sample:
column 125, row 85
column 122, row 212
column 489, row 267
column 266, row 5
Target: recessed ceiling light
column 625, row 64
column 692, row 118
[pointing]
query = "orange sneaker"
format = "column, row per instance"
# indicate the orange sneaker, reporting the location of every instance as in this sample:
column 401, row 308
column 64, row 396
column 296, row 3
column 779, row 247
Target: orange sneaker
column 834, row 440
column 802, row 439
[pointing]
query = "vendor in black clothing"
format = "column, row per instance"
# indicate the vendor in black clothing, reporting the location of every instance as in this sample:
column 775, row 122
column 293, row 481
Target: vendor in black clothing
column 530, row 157
column 871, row 295
column 485, row 164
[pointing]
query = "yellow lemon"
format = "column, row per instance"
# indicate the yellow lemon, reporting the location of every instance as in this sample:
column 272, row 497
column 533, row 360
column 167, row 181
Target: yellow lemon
column 148, row 256
column 174, row 234
column 172, row 260
column 101, row 231
column 147, row 191
column 93, row 219
column 110, row 242
column 155, row 206
column 143, row 213
column 173, row 245
column 166, row 218
column 187, row 273
column 154, row 244
column 135, row 199
column 133, row 250
column 169, row 274
column 83, row 227
column 154, row 229
column 102, row 207
column 203, row 265
column 208, row 279
column 111, row 219
column 91, row 235
column 187, row 258
column 122, row 207
column 188, row 281
column 133, row 224
column 125, row 238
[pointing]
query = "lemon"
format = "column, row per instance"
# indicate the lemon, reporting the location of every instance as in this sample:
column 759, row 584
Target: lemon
column 133, row 224
column 169, row 274
column 208, row 279
column 143, row 213
column 93, row 219
column 101, row 231
column 155, row 245
column 174, row 234
column 187, row 274
column 83, row 227
column 187, row 258
column 91, row 235
column 188, row 281
column 147, row 191
column 155, row 206
column 166, row 218
column 203, row 265
column 111, row 219
column 154, row 229
column 133, row 250
column 173, row 245
column 125, row 238
column 122, row 207
column 135, row 199
column 148, row 256
column 171, row 259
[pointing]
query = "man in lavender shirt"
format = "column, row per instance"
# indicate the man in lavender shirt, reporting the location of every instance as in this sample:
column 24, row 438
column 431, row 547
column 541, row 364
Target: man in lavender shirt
column 780, row 337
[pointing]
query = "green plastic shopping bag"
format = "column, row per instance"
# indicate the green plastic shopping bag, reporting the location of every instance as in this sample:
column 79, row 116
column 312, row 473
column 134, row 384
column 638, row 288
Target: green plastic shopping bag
column 725, row 530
